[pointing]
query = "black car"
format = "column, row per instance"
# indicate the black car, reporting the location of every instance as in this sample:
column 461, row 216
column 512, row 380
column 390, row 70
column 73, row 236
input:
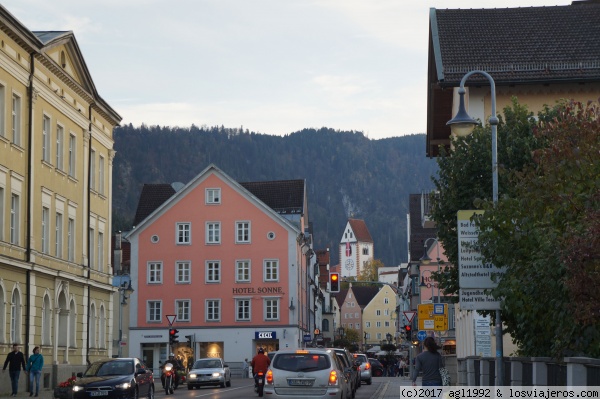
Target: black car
column 115, row 379
column 376, row 367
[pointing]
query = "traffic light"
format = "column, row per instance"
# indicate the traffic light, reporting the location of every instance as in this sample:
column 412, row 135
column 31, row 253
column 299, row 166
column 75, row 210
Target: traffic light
column 189, row 340
column 334, row 282
column 173, row 337
column 408, row 330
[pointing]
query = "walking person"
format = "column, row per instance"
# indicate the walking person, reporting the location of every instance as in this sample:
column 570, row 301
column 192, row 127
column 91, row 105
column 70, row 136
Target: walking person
column 246, row 368
column 35, row 363
column 430, row 362
column 15, row 360
column 401, row 367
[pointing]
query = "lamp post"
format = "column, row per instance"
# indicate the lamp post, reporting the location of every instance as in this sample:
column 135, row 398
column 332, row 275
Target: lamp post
column 388, row 336
column 425, row 260
column 462, row 125
column 124, row 289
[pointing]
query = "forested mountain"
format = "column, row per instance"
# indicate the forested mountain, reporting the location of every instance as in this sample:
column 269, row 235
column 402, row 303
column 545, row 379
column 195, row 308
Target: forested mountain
column 347, row 174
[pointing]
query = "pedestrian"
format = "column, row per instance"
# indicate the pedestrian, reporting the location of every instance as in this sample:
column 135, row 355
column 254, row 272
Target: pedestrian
column 430, row 362
column 401, row 366
column 15, row 360
column 246, row 368
column 35, row 363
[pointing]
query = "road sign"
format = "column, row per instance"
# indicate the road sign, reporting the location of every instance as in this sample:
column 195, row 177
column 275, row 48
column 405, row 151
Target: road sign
column 421, row 335
column 307, row 338
column 433, row 316
column 409, row 316
column 171, row 318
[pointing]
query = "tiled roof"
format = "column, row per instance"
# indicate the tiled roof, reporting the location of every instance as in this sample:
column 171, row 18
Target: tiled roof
column 361, row 232
column 364, row 295
column 283, row 196
column 152, row 196
column 340, row 297
column 518, row 45
column 418, row 234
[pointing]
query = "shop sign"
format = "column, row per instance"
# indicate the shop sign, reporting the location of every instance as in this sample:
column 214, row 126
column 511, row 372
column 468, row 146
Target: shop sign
column 265, row 335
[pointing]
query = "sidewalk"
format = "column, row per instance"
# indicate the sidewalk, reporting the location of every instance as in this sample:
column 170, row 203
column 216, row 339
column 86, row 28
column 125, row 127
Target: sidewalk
column 390, row 387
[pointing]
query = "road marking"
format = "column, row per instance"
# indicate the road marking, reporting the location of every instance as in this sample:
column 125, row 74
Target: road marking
column 223, row 390
column 383, row 389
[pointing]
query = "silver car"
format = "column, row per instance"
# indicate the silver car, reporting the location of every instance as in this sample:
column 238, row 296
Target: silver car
column 365, row 367
column 209, row 371
column 307, row 373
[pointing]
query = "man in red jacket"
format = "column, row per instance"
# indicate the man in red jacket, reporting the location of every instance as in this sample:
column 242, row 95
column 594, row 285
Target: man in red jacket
column 260, row 362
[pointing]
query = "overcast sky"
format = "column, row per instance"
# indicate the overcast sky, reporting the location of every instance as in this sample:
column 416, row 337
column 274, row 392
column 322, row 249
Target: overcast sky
column 271, row 66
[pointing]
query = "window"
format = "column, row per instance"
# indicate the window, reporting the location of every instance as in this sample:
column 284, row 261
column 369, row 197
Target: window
column 325, row 325
column 154, row 273
column 1, row 211
column 357, row 326
column 271, row 270
column 377, row 324
column 15, row 220
column 386, row 324
column 386, row 312
column 242, row 271
column 16, row 119
column 46, row 138
column 2, row 107
column 213, row 232
column 71, row 240
column 101, row 175
column 93, row 170
column 242, row 232
column 72, row 152
column 182, row 273
column 46, row 321
column 272, row 309
column 91, row 238
column 154, row 311
column 213, row 195
column 213, row 271
column 183, row 233
column 386, row 300
column 183, row 310
column 365, row 250
column 59, row 235
column 101, row 251
column 92, row 326
column 378, row 312
column 378, row 336
column 368, row 324
column 59, row 147
column 45, row 230
column 213, row 310
column 356, row 315
column 243, row 309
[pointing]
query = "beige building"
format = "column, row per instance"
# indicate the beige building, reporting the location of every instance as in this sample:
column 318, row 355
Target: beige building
column 56, row 140
column 380, row 318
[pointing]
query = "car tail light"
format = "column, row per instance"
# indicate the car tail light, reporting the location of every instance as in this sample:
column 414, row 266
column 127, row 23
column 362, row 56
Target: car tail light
column 333, row 377
column 368, row 366
column 269, row 377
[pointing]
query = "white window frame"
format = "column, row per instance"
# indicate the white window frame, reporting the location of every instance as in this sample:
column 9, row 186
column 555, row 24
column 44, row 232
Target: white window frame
column 16, row 119
column 377, row 324
column 45, row 230
column 183, row 272
column 213, row 267
column 213, row 233
column 46, row 138
column 72, row 154
column 243, row 271
column 213, row 196
column 183, row 309
column 243, row 306
column 154, row 311
column 101, row 175
column 2, row 202
column 183, row 233
column 154, row 273
column 2, row 110
column 271, row 270
column 92, row 254
column 212, row 310
column 243, row 232
column 58, row 238
column 378, row 312
column 271, row 305
column 71, row 240
column 60, row 137
column 368, row 324
column 93, row 170
column 15, row 218
column 100, row 251
column 386, row 300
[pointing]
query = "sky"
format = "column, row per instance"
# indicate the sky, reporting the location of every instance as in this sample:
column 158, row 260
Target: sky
column 269, row 66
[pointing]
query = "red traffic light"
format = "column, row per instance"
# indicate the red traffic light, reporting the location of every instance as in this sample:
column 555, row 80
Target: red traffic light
column 407, row 328
column 334, row 282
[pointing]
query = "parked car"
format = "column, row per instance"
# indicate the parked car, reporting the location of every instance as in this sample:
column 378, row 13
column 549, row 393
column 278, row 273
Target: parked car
column 353, row 368
column 376, row 367
column 209, row 371
column 364, row 367
column 115, row 379
column 307, row 373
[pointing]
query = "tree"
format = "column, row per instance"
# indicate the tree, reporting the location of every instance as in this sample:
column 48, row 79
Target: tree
column 370, row 270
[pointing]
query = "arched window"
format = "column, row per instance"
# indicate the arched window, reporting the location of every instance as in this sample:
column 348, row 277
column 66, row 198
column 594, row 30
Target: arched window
column 102, row 328
column 325, row 325
column 15, row 317
column 92, row 326
column 2, row 314
column 46, row 322
column 72, row 325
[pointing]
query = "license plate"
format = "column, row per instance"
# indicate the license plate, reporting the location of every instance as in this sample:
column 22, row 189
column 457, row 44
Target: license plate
column 260, row 380
column 99, row 393
column 300, row 383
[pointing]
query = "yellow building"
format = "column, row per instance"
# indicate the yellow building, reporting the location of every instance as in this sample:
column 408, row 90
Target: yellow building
column 56, row 152
column 379, row 317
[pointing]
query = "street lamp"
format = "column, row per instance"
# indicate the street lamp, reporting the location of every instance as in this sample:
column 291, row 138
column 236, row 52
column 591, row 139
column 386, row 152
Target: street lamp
column 425, row 260
column 388, row 336
column 462, row 125
column 124, row 289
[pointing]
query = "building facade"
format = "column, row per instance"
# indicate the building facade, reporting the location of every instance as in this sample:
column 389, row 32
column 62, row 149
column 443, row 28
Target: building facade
column 56, row 152
column 229, row 271
column 356, row 248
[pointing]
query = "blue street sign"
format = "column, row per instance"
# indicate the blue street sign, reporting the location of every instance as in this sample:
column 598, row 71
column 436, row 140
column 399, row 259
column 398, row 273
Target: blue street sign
column 421, row 335
column 307, row 338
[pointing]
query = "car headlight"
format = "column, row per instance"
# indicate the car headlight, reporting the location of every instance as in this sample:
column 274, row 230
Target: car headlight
column 216, row 374
column 193, row 375
column 77, row 388
column 125, row 385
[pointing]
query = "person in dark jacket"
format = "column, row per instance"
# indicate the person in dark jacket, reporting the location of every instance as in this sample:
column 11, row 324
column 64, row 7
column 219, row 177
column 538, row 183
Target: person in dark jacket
column 35, row 363
column 15, row 361
column 430, row 362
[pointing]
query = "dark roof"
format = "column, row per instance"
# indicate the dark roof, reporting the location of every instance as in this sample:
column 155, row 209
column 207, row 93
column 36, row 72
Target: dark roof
column 152, row 196
column 418, row 234
column 47, row 36
column 361, row 232
column 364, row 295
column 285, row 197
column 340, row 297
column 518, row 45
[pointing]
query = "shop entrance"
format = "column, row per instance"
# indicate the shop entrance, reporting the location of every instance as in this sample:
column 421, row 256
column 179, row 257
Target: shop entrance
column 267, row 345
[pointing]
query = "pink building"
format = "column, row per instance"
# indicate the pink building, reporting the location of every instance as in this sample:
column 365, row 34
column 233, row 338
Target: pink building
column 228, row 260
